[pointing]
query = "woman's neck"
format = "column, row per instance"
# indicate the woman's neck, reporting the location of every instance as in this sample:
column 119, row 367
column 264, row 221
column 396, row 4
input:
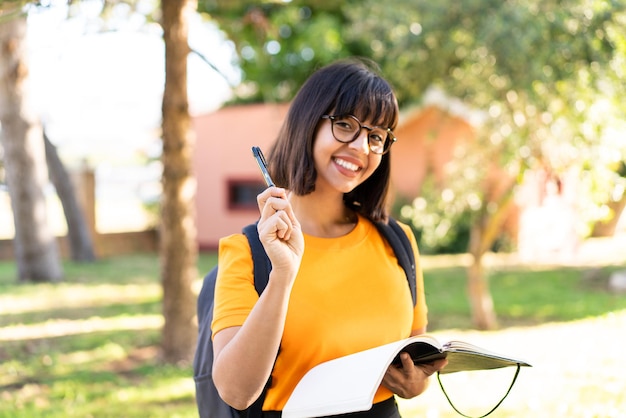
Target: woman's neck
column 326, row 218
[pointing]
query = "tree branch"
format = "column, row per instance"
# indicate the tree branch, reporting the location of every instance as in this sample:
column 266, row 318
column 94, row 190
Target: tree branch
column 210, row 64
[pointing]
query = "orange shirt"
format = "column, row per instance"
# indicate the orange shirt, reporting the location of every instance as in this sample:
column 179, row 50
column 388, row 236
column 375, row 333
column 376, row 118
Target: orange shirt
column 350, row 295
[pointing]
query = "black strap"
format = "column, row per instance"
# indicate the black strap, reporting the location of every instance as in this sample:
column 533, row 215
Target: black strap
column 492, row 409
column 261, row 270
column 399, row 241
column 260, row 260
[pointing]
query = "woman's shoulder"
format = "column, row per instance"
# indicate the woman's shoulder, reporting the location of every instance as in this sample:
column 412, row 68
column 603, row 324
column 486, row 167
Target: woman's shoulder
column 372, row 224
column 235, row 257
column 407, row 229
column 233, row 239
column 409, row 233
column 234, row 245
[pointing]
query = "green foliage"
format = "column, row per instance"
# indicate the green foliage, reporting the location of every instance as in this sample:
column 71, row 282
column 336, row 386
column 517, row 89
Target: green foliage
column 451, row 234
column 279, row 44
column 541, row 80
column 541, row 75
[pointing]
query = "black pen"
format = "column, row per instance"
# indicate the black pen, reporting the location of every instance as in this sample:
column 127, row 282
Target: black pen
column 260, row 159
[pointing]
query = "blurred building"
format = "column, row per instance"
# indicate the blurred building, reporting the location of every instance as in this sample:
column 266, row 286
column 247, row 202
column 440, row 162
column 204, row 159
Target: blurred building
column 229, row 179
column 541, row 223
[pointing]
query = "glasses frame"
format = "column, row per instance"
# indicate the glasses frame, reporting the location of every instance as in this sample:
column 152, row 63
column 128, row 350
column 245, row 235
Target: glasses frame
column 389, row 141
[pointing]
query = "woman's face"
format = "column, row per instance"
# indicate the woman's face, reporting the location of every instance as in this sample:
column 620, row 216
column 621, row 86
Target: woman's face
column 342, row 166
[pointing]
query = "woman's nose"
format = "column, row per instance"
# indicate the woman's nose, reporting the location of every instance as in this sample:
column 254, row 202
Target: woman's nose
column 362, row 141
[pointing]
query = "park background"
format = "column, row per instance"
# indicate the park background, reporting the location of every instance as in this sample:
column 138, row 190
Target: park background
column 112, row 126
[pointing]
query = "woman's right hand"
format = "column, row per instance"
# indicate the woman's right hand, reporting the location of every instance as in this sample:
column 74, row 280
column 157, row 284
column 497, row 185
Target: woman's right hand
column 279, row 231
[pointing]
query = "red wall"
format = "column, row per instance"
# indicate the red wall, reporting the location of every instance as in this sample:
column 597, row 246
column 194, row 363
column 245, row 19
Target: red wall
column 222, row 154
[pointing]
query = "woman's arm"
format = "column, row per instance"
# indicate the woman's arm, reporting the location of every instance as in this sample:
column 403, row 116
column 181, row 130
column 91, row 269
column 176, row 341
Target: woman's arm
column 244, row 356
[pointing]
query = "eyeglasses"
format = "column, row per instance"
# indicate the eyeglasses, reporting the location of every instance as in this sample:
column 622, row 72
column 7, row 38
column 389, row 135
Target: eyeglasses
column 346, row 129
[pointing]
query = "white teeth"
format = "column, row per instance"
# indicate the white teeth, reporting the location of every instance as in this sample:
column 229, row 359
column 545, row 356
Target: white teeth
column 347, row 165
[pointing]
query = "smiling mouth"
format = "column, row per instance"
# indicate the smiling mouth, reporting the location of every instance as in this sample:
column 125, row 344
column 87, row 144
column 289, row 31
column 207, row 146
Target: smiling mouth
column 347, row 165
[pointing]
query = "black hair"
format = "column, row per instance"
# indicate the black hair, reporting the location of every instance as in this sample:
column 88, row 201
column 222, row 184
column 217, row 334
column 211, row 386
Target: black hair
column 350, row 86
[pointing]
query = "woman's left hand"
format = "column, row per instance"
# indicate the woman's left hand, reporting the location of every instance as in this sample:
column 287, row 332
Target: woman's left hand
column 410, row 380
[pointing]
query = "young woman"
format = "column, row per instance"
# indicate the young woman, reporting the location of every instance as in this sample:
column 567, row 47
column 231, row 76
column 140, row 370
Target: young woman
column 335, row 287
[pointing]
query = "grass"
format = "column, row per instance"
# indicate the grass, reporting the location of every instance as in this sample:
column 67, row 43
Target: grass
column 523, row 296
column 87, row 347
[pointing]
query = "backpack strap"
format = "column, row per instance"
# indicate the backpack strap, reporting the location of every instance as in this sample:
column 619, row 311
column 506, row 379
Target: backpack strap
column 207, row 398
column 399, row 241
column 261, row 270
column 260, row 260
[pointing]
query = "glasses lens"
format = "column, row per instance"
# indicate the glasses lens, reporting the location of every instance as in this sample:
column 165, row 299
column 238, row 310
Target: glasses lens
column 389, row 141
column 346, row 129
column 377, row 139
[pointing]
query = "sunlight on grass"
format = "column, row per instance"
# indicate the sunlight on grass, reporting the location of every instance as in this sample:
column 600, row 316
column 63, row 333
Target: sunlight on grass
column 166, row 390
column 64, row 295
column 108, row 352
column 56, row 328
column 29, row 397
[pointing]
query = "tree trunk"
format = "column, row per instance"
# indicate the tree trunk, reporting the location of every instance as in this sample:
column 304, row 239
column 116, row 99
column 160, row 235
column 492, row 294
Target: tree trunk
column 36, row 249
column 607, row 228
column 178, row 233
column 481, row 302
column 78, row 232
column 483, row 235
